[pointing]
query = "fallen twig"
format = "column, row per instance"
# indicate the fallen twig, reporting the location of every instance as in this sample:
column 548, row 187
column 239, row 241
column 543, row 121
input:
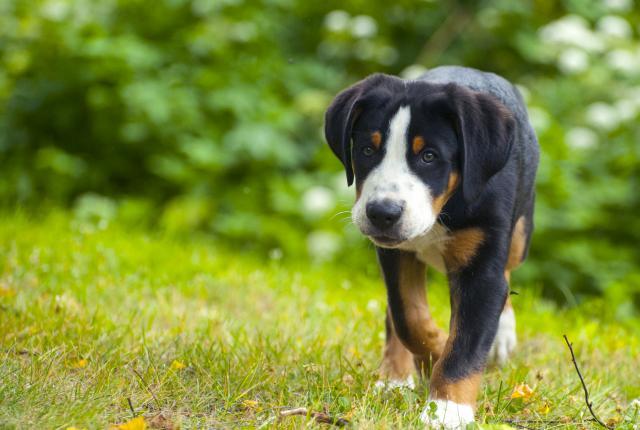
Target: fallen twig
column 319, row 417
column 131, row 408
column 584, row 386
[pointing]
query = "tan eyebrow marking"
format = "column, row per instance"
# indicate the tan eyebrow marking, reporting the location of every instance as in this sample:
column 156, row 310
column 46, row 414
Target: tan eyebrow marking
column 417, row 144
column 376, row 139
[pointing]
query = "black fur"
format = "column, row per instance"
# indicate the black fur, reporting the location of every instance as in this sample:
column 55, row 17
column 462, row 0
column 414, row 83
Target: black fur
column 478, row 125
column 389, row 260
column 344, row 111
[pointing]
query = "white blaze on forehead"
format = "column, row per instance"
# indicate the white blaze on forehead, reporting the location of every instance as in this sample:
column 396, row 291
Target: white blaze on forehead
column 395, row 157
column 392, row 179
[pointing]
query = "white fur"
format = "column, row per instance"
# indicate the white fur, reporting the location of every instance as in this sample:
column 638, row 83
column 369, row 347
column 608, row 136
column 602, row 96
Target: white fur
column 391, row 384
column 393, row 179
column 429, row 246
column 448, row 415
column 505, row 341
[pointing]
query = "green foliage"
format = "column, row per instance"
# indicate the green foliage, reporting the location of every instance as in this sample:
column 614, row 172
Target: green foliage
column 196, row 115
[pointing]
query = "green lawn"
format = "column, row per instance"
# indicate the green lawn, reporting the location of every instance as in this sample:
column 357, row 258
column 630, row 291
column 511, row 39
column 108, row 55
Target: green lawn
column 199, row 336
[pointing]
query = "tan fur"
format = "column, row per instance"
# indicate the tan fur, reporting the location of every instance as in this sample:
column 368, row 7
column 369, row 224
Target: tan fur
column 376, row 139
column 417, row 144
column 441, row 200
column 518, row 243
column 462, row 247
column 507, row 303
column 462, row 391
column 397, row 362
column 426, row 340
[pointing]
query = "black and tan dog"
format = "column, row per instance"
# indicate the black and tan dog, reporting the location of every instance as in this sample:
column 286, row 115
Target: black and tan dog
column 444, row 168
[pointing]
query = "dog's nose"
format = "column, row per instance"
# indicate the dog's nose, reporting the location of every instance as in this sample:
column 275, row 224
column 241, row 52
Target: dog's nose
column 384, row 213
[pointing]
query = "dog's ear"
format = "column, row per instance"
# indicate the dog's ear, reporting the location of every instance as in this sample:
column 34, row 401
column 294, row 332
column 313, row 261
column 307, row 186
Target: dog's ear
column 485, row 129
column 343, row 113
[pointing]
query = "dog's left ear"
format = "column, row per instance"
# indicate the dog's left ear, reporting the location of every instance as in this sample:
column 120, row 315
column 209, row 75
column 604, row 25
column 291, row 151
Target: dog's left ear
column 343, row 112
column 486, row 130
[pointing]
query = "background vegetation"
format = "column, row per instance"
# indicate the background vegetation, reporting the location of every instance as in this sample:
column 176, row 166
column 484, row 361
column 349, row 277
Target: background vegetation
column 195, row 115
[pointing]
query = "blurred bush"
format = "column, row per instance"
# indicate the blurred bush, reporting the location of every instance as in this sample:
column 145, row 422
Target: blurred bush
column 206, row 115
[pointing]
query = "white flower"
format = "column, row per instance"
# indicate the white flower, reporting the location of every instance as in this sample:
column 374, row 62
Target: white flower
column 624, row 61
column 603, row 116
column 414, row 71
column 619, row 5
column 363, row 26
column 615, row 26
column 275, row 254
column 581, row 137
column 627, row 109
column 336, row 20
column 322, row 245
column 573, row 60
column 55, row 10
column 373, row 306
column 318, row 200
column 571, row 30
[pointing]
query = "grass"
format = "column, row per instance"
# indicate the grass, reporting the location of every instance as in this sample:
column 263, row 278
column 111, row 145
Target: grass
column 198, row 336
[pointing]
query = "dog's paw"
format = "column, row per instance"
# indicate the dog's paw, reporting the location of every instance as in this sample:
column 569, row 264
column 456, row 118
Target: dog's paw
column 505, row 341
column 444, row 414
column 391, row 384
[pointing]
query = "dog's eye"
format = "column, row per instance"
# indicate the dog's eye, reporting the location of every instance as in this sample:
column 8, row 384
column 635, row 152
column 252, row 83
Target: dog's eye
column 428, row 156
column 368, row 150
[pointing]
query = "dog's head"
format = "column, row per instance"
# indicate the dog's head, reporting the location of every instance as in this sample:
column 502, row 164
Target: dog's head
column 410, row 145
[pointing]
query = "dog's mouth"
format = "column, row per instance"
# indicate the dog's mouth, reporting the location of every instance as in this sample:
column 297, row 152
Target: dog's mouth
column 386, row 241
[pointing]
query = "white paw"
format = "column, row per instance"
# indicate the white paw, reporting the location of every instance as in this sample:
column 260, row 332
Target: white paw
column 447, row 415
column 391, row 384
column 505, row 341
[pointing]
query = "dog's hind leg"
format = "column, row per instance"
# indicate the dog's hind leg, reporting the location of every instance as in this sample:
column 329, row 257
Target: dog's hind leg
column 506, row 340
column 397, row 368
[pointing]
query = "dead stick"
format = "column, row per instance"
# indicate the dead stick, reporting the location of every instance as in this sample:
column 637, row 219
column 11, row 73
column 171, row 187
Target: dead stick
column 133, row 411
column 317, row 416
column 584, row 386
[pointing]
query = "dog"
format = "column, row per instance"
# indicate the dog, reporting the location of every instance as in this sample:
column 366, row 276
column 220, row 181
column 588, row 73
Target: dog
column 444, row 168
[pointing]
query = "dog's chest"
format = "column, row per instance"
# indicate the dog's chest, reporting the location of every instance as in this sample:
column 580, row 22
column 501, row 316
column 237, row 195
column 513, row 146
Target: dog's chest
column 430, row 247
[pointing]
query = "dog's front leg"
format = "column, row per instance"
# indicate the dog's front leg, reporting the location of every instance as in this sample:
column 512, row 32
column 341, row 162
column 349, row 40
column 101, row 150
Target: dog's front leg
column 410, row 327
column 478, row 293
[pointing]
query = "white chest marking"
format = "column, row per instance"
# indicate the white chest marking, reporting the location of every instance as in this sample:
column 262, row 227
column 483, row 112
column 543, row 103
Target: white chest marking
column 430, row 246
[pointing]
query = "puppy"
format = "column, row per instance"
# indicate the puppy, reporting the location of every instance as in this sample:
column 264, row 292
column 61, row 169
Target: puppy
column 444, row 168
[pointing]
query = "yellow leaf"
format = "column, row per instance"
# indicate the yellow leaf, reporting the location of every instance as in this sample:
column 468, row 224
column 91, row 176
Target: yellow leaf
column 612, row 422
column 177, row 365
column 250, row 404
column 80, row 364
column 544, row 409
column 74, row 428
column 522, row 391
column 137, row 423
column 6, row 292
